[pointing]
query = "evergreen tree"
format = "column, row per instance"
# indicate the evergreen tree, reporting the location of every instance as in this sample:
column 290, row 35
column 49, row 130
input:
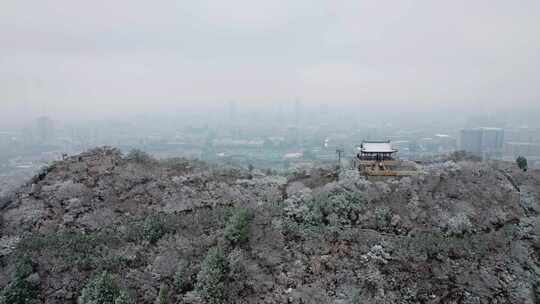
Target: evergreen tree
column 102, row 289
column 522, row 163
column 211, row 279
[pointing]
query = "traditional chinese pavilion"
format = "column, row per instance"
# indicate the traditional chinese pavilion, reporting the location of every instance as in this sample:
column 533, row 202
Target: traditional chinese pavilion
column 376, row 151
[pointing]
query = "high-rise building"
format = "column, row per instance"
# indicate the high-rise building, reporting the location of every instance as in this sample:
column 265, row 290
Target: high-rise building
column 232, row 111
column 44, row 129
column 279, row 113
column 484, row 142
column 297, row 112
column 324, row 112
column 492, row 142
column 471, row 141
column 445, row 143
column 527, row 149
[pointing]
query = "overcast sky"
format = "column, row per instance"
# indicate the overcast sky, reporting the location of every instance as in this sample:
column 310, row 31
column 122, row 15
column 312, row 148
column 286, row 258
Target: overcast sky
column 61, row 57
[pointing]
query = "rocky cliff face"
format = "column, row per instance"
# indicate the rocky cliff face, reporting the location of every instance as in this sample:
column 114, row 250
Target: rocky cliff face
column 180, row 231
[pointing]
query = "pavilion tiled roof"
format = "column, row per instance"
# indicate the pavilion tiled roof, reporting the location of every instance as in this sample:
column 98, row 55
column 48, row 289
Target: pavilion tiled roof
column 377, row 147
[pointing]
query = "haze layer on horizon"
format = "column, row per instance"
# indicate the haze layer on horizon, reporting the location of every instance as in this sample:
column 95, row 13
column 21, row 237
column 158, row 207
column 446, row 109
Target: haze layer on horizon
column 107, row 58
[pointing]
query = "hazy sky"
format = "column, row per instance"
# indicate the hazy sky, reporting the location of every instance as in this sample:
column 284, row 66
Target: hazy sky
column 94, row 57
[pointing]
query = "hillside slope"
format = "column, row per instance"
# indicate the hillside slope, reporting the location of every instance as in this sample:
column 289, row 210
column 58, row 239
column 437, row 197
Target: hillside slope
column 180, row 231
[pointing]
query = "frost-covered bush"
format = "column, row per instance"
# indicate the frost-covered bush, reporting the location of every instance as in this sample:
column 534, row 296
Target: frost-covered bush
column 346, row 206
column 182, row 277
column 124, row 298
column 102, row 289
column 356, row 297
column 140, row 157
column 459, row 225
column 335, row 209
column 296, row 206
column 463, row 156
column 383, row 217
column 237, row 229
column 378, row 254
column 163, row 296
column 154, row 228
column 20, row 290
column 237, row 275
column 74, row 248
column 290, row 228
column 343, row 208
column 447, row 166
column 69, row 190
column 211, row 280
column 151, row 229
column 348, row 179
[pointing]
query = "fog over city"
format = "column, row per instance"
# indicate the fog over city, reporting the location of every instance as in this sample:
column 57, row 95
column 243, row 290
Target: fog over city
column 212, row 80
column 268, row 83
column 107, row 59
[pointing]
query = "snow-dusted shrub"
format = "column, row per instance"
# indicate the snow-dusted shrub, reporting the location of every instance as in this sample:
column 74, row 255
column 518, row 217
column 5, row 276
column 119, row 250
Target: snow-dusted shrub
column 163, row 296
column 182, row 277
column 153, row 228
column 124, row 298
column 237, row 276
column 459, row 224
column 335, row 209
column 140, row 157
column 212, row 277
column 383, row 217
column 237, row 229
column 20, row 290
column 102, row 289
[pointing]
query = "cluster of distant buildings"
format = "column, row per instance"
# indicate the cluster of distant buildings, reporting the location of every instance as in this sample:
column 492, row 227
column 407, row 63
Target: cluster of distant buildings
column 498, row 143
column 261, row 143
column 486, row 143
